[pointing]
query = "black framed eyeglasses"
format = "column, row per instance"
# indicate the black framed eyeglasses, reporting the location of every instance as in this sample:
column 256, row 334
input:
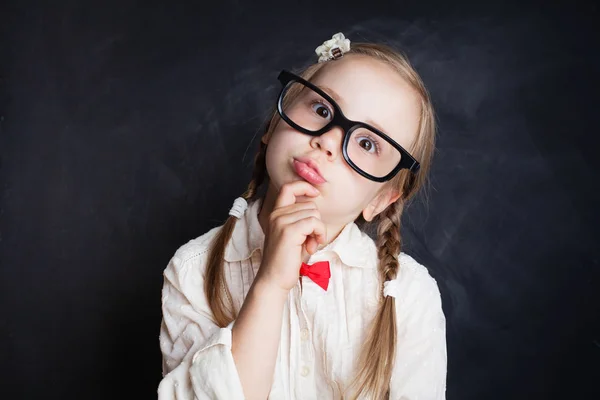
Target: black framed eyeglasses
column 369, row 151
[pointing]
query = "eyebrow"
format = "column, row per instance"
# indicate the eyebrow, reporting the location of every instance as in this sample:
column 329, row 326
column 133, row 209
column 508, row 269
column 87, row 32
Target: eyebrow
column 340, row 99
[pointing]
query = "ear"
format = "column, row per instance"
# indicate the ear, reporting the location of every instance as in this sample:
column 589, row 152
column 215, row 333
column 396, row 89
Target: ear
column 265, row 139
column 380, row 203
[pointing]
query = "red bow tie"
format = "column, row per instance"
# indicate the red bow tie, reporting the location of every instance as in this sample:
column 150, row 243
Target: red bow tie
column 318, row 272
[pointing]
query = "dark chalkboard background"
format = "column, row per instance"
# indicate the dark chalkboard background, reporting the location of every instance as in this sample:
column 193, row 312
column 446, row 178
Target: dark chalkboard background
column 128, row 128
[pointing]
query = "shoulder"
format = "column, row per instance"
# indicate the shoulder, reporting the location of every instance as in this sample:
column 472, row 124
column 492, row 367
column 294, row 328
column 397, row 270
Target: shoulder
column 191, row 254
column 416, row 284
column 421, row 357
column 419, row 313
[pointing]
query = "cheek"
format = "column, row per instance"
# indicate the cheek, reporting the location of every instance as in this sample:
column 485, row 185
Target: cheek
column 282, row 145
column 350, row 186
column 361, row 190
column 284, row 137
column 286, row 143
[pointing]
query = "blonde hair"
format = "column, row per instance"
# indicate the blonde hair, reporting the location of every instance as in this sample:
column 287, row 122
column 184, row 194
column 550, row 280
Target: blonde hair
column 376, row 360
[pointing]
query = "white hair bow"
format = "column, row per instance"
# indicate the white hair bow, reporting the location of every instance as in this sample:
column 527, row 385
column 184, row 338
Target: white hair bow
column 391, row 288
column 239, row 207
column 333, row 48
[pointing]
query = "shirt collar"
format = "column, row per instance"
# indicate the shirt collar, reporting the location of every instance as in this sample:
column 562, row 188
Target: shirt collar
column 354, row 247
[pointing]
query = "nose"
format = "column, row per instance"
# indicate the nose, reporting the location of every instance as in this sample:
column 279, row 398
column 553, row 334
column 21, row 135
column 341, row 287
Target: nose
column 330, row 142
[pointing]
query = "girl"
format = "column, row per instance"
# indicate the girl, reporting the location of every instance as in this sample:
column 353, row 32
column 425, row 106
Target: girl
column 290, row 299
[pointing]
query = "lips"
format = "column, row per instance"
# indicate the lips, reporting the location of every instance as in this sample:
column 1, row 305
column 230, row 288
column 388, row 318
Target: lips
column 308, row 170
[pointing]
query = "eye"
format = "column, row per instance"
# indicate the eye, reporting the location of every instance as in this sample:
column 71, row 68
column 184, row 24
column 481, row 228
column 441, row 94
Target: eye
column 321, row 110
column 369, row 144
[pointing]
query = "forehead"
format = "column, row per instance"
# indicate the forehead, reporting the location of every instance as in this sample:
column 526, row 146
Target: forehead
column 369, row 90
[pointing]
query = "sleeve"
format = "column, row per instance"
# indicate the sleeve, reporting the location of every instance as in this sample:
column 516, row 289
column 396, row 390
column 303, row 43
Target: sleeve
column 197, row 359
column 421, row 360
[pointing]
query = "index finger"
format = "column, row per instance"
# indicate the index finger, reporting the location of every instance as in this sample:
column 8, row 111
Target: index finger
column 289, row 192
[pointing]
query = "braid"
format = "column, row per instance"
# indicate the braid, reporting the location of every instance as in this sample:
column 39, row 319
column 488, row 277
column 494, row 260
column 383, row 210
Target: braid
column 389, row 241
column 258, row 173
column 215, row 286
column 374, row 376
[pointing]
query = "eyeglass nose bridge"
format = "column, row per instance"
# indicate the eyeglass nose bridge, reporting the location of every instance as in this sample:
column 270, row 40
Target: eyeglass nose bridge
column 343, row 122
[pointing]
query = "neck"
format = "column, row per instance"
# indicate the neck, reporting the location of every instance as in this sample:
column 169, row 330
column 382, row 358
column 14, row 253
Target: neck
column 333, row 230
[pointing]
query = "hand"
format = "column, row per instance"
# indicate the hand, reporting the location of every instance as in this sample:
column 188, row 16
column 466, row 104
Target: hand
column 295, row 231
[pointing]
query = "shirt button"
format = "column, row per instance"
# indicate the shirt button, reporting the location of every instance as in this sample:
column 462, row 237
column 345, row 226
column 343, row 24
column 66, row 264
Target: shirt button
column 304, row 334
column 305, row 371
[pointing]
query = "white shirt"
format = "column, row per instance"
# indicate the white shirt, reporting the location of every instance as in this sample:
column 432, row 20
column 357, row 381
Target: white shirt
column 322, row 331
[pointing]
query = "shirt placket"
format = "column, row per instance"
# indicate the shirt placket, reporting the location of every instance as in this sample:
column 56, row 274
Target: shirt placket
column 305, row 387
column 308, row 298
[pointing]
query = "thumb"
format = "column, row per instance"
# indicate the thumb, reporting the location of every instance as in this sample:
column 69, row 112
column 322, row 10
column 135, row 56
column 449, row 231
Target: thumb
column 311, row 245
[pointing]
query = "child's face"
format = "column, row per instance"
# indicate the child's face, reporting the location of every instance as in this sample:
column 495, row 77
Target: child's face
column 366, row 90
